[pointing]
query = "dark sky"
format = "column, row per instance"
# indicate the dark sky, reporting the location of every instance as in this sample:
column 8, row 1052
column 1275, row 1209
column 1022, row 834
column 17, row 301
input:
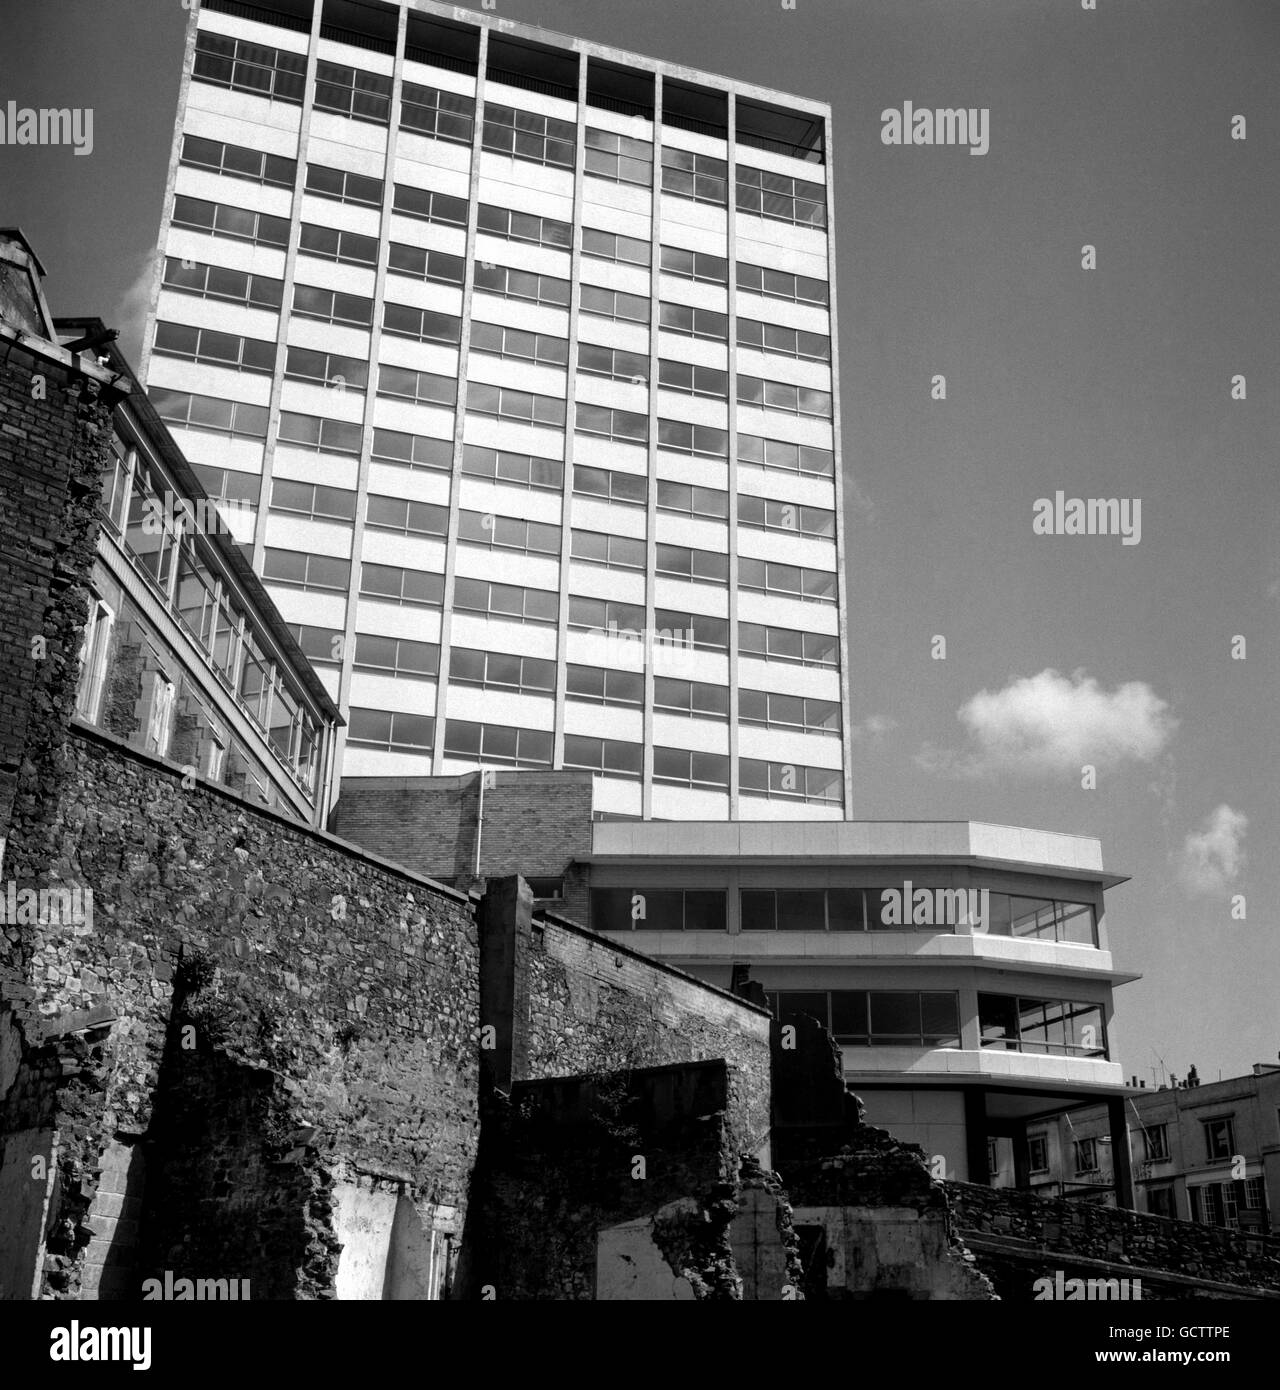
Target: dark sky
column 1109, row 127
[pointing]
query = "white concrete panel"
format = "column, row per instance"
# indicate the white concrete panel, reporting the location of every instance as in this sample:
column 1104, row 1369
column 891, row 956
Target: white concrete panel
column 190, row 182
column 406, row 552
column 336, row 402
column 304, row 606
column 417, row 484
column 611, row 219
column 508, row 567
column 502, row 186
column 813, row 318
column 440, row 165
column 500, row 707
column 701, row 351
column 179, row 374
column 628, row 197
column 684, row 664
column 203, row 446
column 781, row 246
column 251, row 134
column 780, row 424
column 312, row 537
column 686, row 530
column 791, row 549
column 401, row 693
column 174, row 307
column 784, row 486
column 523, row 255
column 189, row 245
column 689, row 803
column 436, row 422
column 595, row 581
column 775, row 366
column 422, row 294
column 492, row 433
column 221, row 103
column 378, row 762
column 690, row 214
column 333, row 275
column 492, row 634
column 616, row 797
column 781, row 746
column 419, row 357
column 714, row 145
column 328, row 337
column 519, row 313
column 610, row 453
column 341, row 131
column 428, row 75
column 308, row 466
column 346, row 217
column 631, row 337
column 367, row 60
column 702, row 735
column 343, row 155
column 674, row 289
column 822, row 683
column 617, row 395
column 436, row 236
column 479, row 496
column 786, row 612
column 603, row 721
column 695, row 598
column 683, row 468
column 634, row 127
column 697, row 410
column 398, row 620
column 614, row 275
column 715, row 243
column 517, row 374
column 587, row 514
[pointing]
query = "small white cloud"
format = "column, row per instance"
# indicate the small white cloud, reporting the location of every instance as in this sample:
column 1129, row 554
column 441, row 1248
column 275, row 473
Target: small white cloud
column 131, row 316
column 1051, row 723
column 1213, row 856
column 873, row 726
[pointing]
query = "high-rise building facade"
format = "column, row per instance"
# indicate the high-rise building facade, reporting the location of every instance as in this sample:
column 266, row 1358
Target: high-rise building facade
column 518, row 355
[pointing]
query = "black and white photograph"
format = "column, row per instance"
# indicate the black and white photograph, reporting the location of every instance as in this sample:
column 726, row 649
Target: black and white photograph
column 639, row 662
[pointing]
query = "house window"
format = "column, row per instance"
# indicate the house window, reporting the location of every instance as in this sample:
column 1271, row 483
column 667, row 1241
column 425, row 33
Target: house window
column 1038, row 1153
column 93, row 660
column 215, row 759
column 993, row 1157
column 1156, row 1142
column 1086, row 1152
column 1161, row 1202
column 159, row 723
column 1219, row 1138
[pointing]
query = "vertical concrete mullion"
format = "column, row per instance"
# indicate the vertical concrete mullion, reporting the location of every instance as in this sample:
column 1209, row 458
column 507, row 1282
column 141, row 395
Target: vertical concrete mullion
column 731, row 254
column 570, row 411
column 290, row 267
column 651, row 505
column 371, row 390
column 460, row 409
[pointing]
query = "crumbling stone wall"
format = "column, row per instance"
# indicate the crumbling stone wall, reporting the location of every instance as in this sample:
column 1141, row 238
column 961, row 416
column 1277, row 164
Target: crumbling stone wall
column 332, row 1021
column 1020, row 1237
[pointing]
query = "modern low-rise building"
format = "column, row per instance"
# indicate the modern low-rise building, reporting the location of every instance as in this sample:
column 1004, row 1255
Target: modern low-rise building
column 518, row 353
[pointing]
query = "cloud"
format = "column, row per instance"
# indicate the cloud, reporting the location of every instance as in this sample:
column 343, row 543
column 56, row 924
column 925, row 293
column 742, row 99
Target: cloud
column 131, row 312
column 1051, row 723
column 1213, row 856
column 873, row 726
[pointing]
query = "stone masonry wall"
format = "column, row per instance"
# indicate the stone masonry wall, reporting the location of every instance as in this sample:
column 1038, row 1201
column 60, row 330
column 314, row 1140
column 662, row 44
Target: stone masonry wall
column 1053, row 1231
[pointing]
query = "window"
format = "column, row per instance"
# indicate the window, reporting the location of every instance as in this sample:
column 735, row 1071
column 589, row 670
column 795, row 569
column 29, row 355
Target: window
column 1086, row 1155
column 344, row 187
column 422, row 325
column 303, row 571
column 93, row 660
column 604, row 615
column 1041, row 918
column 700, row 440
column 766, row 515
column 696, row 699
column 239, row 163
column 229, row 484
column 1219, row 1138
column 682, row 562
column 790, row 781
column 521, row 406
column 424, row 388
column 160, row 715
column 522, row 470
column 700, row 177
column 781, row 198
column 495, row 532
column 441, row 115
column 524, row 226
column 615, row 304
column 322, row 646
column 1254, row 1195
column 501, row 671
column 608, row 756
column 778, row 284
column 364, row 96
column 876, row 1018
column 313, row 500
column 412, row 450
column 993, row 1157
column 429, row 206
column 608, row 484
column 332, row 306
column 209, row 413
column 527, row 135
column 1215, row 1204
column 423, row 264
column 787, row 644
column 1155, row 1143
column 215, row 349
column 781, row 395
column 542, row 348
column 771, row 710
column 613, row 363
column 213, row 282
column 1049, row 1027
column 330, row 244
column 693, row 380
column 249, row 67
column 497, row 743
column 778, row 453
column 397, row 655
column 1161, row 1202
column 612, row 246
column 240, row 224
column 688, row 500
column 408, row 517
column 619, row 157
column 603, row 686
column 392, row 730
column 694, row 265
column 615, row 552
column 657, row 909
column 506, row 601
column 694, row 323
column 789, row 342
column 403, row 586
column 682, row 767
column 1038, row 1153
column 793, row 581
column 624, row 425
column 682, row 629
column 327, row 369
column 320, row 433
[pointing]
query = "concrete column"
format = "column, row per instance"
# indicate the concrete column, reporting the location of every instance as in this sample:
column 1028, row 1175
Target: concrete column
column 505, row 922
column 1121, row 1164
column 975, row 1134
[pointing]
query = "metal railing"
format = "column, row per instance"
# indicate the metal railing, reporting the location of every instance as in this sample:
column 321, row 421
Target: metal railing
column 533, row 84
column 259, row 13
column 448, row 61
column 356, row 40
